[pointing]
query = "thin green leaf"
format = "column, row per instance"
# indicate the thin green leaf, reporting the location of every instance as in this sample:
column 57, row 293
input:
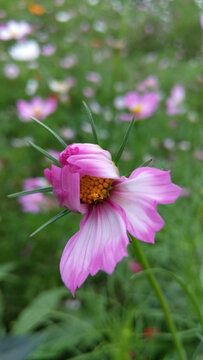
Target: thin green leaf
column 45, row 153
column 50, row 221
column 62, row 142
column 23, row 193
column 146, row 163
column 189, row 293
column 92, row 123
column 120, row 151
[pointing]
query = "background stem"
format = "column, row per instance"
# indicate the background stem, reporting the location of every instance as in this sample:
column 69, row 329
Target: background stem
column 143, row 260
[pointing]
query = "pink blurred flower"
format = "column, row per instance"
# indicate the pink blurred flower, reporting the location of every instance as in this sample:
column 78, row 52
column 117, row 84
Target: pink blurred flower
column 88, row 92
column 174, row 104
column 37, row 107
column 93, row 77
column 38, row 202
column 149, row 84
column 11, row 71
column 14, row 30
column 141, row 106
column 89, row 183
column 67, row 133
column 69, row 61
column 134, row 266
column 48, row 49
column 198, row 154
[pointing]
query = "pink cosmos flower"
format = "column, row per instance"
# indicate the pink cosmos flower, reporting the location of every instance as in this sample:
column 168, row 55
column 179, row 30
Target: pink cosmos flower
column 142, row 106
column 38, row 202
column 150, row 83
column 88, row 183
column 48, row 49
column 14, row 30
column 37, row 107
column 174, row 104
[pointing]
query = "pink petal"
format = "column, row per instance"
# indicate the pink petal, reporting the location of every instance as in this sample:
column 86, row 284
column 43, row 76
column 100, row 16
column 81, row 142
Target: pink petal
column 131, row 99
column 66, row 187
column 37, row 102
column 142, row 218
column 100, row 244
column 154, row 184
column 138, row 197
column 89, row 159
column 149, row 104
column 24, row 110
column 50, row 106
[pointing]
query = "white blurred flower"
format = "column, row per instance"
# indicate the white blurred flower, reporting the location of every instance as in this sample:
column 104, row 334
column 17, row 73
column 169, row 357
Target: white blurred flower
column 169, row 144
column 27, row 50
column 86, row 127
column 184, row 145
column 119, row 102
column 31, row 86
column 64, row 16
column 93, row 2
column 100, row 26
column 62, row 87
column 14, row 30
column 67, row 133
column 95, row 107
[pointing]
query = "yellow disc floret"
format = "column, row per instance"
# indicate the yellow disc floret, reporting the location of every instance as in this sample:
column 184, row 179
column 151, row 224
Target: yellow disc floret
column 94, row 189
column 137, row 109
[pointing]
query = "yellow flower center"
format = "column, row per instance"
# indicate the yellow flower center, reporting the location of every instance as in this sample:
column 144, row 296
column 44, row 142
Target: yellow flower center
column 14, row 33
column 93, row 189
column 37, row 112
column 137, row 109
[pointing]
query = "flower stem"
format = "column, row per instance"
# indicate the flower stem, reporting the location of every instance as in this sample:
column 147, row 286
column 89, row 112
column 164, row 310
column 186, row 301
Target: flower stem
column 143, row 260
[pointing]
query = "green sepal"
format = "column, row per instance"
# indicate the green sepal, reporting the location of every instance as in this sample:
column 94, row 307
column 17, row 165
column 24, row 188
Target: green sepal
column 50, row 221
column 45, row 153
column 62, row 142
column 146, row 163
column 92, row 123
column 28, row 192
column 122, row 147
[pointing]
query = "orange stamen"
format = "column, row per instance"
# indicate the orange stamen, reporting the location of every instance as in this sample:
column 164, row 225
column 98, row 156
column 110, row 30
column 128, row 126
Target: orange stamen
column 94, row 189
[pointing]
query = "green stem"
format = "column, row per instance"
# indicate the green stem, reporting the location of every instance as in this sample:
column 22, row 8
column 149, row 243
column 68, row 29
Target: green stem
column 143, row 260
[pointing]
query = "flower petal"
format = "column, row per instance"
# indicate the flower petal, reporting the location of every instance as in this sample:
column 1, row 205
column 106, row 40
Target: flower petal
column 89, row 159
column 138, row 197
column 66, row 187
column 100, row 244
column 154, row 184
column 142, row 218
